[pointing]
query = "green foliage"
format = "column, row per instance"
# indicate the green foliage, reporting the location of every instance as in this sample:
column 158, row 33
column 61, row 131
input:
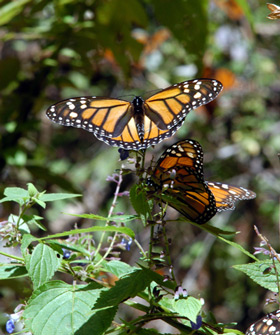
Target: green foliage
column 53, row 50
column 55, row 306
column 265, row 273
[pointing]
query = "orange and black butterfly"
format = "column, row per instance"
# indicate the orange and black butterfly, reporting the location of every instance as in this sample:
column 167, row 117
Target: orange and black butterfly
column 178, row 176
column 268, row 325
column 138, row 124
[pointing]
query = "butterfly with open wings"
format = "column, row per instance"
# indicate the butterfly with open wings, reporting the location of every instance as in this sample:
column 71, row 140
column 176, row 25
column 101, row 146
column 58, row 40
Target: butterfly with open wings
column 178, row 180
column 138, row 124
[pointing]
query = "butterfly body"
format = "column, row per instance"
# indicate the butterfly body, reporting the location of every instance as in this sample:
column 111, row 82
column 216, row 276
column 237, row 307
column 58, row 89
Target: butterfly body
column 138, row 124
column 178, row 180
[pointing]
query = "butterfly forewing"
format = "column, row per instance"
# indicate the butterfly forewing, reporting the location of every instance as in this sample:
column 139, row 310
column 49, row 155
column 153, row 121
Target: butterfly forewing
column 172, row 104
column 138, row 124
column 186, row 153
column 179, row 174
column 226, row 195
column 268, row 325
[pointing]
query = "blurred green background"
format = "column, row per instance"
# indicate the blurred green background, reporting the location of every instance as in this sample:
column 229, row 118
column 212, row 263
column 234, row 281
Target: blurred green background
column 52, row 50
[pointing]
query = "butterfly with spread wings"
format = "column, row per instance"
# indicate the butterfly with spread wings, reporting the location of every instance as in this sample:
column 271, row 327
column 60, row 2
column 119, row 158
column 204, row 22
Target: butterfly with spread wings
column 179, row 181
column 268, row 325
column 138, row 124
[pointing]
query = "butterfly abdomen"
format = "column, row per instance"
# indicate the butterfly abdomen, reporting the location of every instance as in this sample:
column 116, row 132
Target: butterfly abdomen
column 138, row 114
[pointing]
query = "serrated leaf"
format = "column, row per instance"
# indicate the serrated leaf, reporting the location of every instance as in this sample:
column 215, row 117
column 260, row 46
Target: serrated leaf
column 9, row 271
column 256, row 271
column 122, row 230
column 118, row 268
column 139, row 201
column 58, row 196
column 59, row 308
column 42, row 264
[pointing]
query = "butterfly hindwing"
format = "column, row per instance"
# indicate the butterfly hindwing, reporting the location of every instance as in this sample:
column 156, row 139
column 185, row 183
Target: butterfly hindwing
column 226, row 195
column 268, row 325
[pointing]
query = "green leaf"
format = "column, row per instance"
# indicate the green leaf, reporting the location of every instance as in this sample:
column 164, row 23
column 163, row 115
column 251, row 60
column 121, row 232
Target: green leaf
column 26, row 240
column 57, row 245
column 40, row 202
column 59, row 308
column 122, row 218
column 257, row 271
column 139, row 201
column 16, row 194
column 126, row 287
column 42, row 264
column 118, row 268
column 9, row 271
column 10, row 10
column 58, row 196
column 188, row 307
column 122, row 230
column 32, row 190
column 100, row 320
column 238, row 246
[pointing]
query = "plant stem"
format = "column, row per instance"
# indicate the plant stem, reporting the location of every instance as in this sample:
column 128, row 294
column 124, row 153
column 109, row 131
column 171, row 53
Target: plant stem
column 113, row 205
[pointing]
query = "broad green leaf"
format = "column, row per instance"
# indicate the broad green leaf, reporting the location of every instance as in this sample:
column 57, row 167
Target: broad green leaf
column 42, row 264
column 59, row 308
column 10, row 10
column 123, row 218
column 126, row 287
column 9, row 271
column 118, row 268
column 122, row 230
column 141, row 205
column 257, row 271
column 16, row 194
column 188, row 307
column 100, row 320
column 58, row 196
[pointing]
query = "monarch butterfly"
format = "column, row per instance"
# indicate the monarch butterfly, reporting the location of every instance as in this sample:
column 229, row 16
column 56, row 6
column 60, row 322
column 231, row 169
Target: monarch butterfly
column 179, row 176
column 268, row 325
column 138, row 124
column 275, row 11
